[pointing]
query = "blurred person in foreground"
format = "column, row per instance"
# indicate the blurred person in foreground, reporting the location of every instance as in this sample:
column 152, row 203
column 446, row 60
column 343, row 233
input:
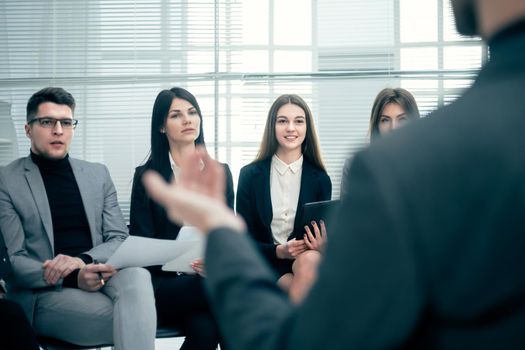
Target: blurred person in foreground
column 427, row 249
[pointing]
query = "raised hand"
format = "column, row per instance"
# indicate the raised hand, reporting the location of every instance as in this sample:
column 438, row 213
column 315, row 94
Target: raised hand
column 198, row 197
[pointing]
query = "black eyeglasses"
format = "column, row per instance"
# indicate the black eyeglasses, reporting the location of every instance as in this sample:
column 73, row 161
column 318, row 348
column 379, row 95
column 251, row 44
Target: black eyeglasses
column 50, row 123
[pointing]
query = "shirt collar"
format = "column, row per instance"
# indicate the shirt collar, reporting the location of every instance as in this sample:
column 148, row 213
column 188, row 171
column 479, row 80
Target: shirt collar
column 282, row 167
column 174, row 167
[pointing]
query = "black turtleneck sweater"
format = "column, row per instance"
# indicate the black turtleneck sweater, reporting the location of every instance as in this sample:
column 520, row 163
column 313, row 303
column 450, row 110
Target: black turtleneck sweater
column 70, row 226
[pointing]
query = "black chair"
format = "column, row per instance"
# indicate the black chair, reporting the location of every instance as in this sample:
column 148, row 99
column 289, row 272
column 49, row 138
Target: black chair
column 48, row 343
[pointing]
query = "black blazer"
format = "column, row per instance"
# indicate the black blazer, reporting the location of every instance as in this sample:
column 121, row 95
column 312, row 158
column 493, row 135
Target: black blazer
column 428, row 249
column 148, row 219
column 255, row 206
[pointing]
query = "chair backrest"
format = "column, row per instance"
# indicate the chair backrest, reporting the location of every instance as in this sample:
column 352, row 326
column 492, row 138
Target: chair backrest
column 169, row 332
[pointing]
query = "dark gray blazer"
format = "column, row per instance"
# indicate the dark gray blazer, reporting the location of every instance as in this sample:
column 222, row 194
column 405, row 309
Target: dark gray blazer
column 428, row 248
column 25, row 220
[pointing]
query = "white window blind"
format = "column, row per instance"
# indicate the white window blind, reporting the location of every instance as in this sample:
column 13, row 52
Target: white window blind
column 114, row 56
column 236, row 56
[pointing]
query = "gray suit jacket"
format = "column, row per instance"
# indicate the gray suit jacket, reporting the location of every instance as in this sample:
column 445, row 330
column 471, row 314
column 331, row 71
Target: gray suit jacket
column 25, row 221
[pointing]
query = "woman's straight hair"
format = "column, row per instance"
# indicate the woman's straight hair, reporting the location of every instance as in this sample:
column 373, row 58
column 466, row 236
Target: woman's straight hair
column 158, row 157
column 388, row 95
column 310, row 146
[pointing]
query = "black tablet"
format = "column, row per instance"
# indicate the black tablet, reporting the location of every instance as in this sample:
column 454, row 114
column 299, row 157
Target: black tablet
column 315, row 211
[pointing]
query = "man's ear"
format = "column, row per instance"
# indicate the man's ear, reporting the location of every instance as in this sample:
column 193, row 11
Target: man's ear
column 28, row 130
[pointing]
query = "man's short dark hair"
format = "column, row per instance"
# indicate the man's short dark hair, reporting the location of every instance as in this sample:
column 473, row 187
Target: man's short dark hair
column 50, row 94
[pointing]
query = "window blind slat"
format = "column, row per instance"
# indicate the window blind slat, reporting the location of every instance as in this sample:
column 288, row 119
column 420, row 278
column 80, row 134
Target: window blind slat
column 116, row 55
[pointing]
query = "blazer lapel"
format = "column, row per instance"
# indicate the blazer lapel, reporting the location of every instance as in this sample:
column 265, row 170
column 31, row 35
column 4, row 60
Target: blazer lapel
column 38, row 191
column 308, row 184
column 262, row 193
column 308, row 189
column 87, row 187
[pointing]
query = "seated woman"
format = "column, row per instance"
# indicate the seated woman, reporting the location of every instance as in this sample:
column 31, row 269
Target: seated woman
column 392, row 109
column 176, row 127
column 287, row 172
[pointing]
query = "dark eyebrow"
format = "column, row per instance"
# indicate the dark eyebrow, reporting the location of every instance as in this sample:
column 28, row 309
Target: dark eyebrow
column 399, row 115
column 178, row 110
column 48, row 117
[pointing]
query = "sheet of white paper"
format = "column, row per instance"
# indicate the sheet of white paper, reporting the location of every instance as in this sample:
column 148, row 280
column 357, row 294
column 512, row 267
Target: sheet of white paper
column 181, row 263
column 190, row 233
column 138, row 251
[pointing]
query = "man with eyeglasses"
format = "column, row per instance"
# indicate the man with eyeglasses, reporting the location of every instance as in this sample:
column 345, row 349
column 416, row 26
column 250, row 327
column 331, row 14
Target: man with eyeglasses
column 59, row 217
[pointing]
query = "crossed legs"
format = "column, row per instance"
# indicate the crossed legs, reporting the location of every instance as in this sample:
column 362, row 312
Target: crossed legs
column 122, row 313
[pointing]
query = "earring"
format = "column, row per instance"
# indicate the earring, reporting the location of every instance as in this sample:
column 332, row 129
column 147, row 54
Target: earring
column 162, row 131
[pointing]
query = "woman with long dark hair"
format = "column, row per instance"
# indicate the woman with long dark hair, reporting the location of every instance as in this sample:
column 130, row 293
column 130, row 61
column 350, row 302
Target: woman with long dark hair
column 287, row 172
column 176, row 129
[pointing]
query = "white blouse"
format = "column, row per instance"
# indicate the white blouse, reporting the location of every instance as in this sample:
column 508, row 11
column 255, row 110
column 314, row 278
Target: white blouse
column 175, row 168
column 285, row 185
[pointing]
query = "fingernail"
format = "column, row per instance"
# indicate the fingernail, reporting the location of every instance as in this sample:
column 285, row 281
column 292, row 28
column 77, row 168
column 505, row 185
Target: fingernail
column 313, row 222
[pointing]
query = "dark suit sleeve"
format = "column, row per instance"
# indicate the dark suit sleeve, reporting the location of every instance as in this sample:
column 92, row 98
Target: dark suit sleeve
column 260, row 315
column 230, row 193
column 368, row 293
column 140, row 218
